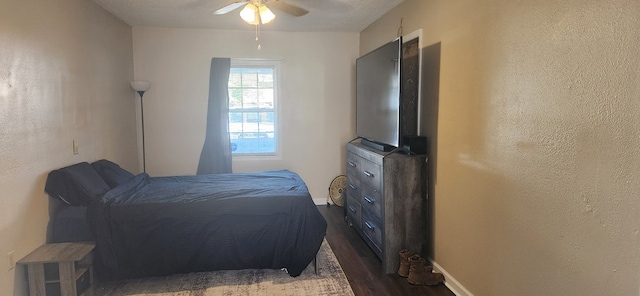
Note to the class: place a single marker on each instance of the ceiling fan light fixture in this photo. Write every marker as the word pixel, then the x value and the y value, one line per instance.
pixel 250 14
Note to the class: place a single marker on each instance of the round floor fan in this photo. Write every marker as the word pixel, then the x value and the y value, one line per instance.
pixel 337 190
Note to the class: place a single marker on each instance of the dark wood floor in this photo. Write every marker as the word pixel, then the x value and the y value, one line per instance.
pixel 361 266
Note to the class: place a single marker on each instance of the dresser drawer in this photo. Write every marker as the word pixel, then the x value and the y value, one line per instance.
pixel 354 212
pixel 353 174
pixel 353 163
pixel 372 228
pixel 370 174
pixel 353 184
pixel 371 200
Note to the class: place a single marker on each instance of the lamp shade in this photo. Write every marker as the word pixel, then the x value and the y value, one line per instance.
pixel 250 14
pixel 140 85
pixel 265 14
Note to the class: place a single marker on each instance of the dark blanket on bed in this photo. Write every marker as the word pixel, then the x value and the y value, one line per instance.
pixel 154 226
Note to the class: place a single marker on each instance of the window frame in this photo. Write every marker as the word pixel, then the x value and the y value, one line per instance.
pixel 275 65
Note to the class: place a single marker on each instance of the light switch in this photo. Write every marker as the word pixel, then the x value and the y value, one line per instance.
pixel 75 147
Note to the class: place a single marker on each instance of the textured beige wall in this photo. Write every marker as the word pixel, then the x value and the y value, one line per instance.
pixel 316 97
pixel 64 72
pixel 538 148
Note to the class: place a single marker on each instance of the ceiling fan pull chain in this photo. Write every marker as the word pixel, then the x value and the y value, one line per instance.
pixel 258 35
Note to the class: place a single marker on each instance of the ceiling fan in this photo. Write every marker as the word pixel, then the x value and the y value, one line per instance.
pixel 256 11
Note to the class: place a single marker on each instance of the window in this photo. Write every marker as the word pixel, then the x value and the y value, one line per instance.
pixel 252 108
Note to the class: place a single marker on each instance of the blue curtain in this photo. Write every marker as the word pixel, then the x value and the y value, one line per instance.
pixel 216 152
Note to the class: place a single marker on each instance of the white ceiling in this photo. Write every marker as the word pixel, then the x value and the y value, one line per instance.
pixel 324 15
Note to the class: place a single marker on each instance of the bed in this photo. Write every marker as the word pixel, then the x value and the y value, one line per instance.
pixel 155 226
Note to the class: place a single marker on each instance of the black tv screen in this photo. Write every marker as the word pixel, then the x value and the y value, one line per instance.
pixel 378 94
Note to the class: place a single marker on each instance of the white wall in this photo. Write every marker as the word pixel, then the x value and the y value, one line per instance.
pixel 538 142
pixel 317 97
pixel 64 72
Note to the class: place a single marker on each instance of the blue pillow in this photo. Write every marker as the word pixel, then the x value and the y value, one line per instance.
pixel 76 185
pixel 112 173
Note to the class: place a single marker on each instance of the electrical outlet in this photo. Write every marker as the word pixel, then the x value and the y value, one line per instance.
pixel 12 260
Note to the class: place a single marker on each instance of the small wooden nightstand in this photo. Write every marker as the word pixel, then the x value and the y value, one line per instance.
pixel 63 269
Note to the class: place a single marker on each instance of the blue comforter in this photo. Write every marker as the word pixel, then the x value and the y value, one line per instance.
pixel 154 226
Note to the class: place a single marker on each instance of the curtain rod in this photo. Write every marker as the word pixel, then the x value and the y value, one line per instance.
pixel 257 59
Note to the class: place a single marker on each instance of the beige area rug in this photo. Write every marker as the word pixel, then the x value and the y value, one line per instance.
pixel 329 281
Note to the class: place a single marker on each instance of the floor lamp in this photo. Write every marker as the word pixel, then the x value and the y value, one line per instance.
pixel 141 87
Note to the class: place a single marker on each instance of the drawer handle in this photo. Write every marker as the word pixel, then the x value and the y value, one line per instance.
pixel 368 199
pixel 368 174
pixel 354 187
pixel 369 225
pixel 352 209
pixel 352 164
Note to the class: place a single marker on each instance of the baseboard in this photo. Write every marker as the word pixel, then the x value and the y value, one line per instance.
pixel 449 281
pixel 320 201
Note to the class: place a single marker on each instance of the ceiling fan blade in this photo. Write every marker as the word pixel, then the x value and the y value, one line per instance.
pixel 230 7
pixel 288 8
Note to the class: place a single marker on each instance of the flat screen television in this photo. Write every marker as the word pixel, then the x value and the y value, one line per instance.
pixel 378 96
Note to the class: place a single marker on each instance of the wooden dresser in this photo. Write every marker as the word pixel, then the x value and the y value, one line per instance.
pixel 386 201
